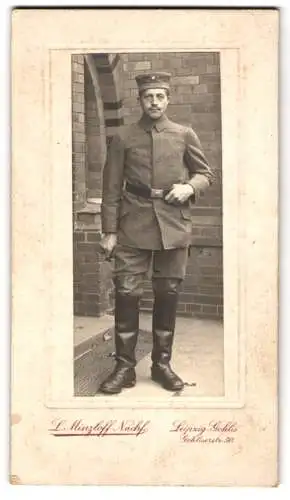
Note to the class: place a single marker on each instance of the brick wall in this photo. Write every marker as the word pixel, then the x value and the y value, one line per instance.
pixel 109 99
pixel 91 274
pixel 78 133
pixel 93 287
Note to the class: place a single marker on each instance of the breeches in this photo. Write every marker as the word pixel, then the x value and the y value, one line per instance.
pixel 132 265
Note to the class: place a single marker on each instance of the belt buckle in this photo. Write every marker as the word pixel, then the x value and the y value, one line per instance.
pixel 156 193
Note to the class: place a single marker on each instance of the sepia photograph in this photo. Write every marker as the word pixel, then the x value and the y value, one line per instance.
pixel 147 224
pixel 145 195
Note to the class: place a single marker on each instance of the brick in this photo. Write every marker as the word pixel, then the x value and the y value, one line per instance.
pixel 78 107
pixel 200 89
pixel 77 67
pixel 199 288
pixel 193 307
pixel 209 309
pixel 79 195
pixel 125 95
pixel 92 310
pixel 80 78
pixel 185 80
pixel 212 280
pixel 92 298
pixel 79 58
pixel 209 78
pixel 196 98
pixel 134 93
pixel 187 298
pixel 213 68
pixel 85 248
pixel 191 298
pixel 86 218
pixel 215 232
pixel 208 57
pixel 159 64
pixel 93 236
pixel 189 99
pixel 74 77
pixel 186 71
pixel 79 308
pixel 79 147
pixel 146 304
pixel 94 183
pixel 136 56
pixel 79 136
pixel 77 88
pixel 79 117
pixel 76 282
pixel 209 299
pixel 88 268
pixel 77 125
pixel 78 297
pixel 79 175
pixel 174 65
pixel 79 236
pixel 194 65
pixel 129 84
pixel 91 284
pixel 77 204
pixel 206 107
pixel 139 66
pixel 124 57
pixel 187 90
pixel 179 100
pixel 91 107
pixel 214 88
pixel 176 109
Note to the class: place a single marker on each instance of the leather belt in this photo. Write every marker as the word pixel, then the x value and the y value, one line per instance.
pixel 145 191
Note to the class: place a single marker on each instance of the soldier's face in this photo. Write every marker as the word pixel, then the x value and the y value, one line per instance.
pixel 154 102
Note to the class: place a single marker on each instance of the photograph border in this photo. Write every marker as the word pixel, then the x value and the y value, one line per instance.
pixel 251 460
pixel 60 394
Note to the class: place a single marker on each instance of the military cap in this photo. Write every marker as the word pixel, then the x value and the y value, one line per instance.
pixel 154 80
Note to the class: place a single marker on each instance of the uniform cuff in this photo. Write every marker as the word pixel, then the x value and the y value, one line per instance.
pixel 109 219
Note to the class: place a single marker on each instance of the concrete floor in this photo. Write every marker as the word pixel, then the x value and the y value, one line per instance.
pixel 197 355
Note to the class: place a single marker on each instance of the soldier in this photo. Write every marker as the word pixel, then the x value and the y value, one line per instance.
pixel 154 171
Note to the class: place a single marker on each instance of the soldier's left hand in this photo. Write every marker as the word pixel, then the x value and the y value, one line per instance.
pixel 179 193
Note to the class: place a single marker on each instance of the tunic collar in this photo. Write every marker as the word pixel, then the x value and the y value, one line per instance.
pixel 147 124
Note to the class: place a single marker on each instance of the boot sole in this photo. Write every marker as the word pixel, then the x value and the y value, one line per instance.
pixel 125 386
pixel 167 388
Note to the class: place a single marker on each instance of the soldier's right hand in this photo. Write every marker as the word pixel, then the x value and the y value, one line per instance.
pixel 108 243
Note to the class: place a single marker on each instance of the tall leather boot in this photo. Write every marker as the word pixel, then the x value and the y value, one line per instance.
pixel 164 318
pixel 126 334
